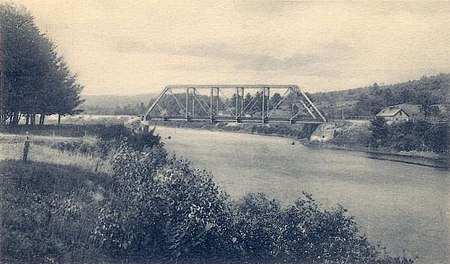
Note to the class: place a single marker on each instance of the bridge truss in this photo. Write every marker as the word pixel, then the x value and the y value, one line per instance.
pixel 234 103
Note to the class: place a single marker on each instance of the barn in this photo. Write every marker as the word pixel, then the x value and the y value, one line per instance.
pixel 393 114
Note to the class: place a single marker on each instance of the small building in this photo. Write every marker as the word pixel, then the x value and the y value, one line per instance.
pixel 323 132
pixel 414 111
pixel 393 114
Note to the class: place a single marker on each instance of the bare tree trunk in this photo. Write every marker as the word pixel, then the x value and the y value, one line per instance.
pixel 33 119
pixel 59 119
pixel 27 120
pixel 15 119
pixel 41 119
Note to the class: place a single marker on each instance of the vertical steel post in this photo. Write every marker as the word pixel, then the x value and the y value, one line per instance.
pixel 211 107
pixel 193 102
pixel 263 116
pixel 268 101
pixel 242 101
pixel 237 105
pixel 187 104
pixel 218 99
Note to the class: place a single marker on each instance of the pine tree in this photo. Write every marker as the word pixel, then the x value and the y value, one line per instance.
pixel 35 79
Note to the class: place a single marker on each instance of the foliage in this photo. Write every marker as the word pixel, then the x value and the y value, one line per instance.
pixel 155 208
pixel 428 92
pixel 36 79
pixel 257 221
pixel 350 135
pixel 93 147
pixel 410 136
pixel 110 137
pixel 379 130
pixel 165 209
pixel 47 212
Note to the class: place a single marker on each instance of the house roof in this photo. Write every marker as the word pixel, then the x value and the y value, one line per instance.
pixel 410 109
pixel 390 111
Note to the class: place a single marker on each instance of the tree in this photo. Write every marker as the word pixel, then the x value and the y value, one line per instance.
pixel 275 99
pixel 36 79
pixel 380 132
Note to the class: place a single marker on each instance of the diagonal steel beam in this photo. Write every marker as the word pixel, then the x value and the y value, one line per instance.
pixel 155 103
pixel 307 108
pixel 283 97
pixel 311 103
pixel 177 101
pixel 199 101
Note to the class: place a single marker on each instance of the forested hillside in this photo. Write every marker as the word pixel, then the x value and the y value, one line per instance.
pixel 428 92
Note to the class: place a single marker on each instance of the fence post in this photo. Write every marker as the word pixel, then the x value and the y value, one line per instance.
pixel 26 148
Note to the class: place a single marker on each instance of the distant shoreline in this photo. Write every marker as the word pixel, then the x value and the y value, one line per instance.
pixel 429 159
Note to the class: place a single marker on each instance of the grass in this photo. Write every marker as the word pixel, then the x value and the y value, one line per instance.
pixel 47 209
pixel 47 203
pixel 42 150
pixel 50 205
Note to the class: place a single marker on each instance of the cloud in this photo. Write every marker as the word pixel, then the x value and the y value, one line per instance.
pixel 240 60
pixel 134 47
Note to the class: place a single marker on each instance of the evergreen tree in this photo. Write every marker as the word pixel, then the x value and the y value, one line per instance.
pixel 35 79
pixel 380 132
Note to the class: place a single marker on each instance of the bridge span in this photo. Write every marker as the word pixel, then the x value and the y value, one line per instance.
pixel 239 103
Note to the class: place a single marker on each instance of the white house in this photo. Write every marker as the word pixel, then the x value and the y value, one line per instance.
pixel 393 114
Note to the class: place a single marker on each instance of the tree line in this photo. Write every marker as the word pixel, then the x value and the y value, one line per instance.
pixel 409 136
pixel 427 92
pixel 35 79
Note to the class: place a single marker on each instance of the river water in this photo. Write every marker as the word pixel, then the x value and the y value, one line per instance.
pixel 403 206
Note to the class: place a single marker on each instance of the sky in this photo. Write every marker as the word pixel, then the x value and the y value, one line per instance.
pixel 135 47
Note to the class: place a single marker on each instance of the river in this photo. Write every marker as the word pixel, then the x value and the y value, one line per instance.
pixel 403 206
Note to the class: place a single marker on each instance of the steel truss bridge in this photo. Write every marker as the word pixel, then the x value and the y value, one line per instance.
pixel 234 103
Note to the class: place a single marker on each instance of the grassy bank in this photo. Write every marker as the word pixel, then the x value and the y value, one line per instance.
pixel 419 140
pixel 70 203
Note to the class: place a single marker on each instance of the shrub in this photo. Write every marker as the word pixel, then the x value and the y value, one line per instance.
pixel 47 212
pixel 108 138
pixel 257 221
pixel 410 136
pixel 314 235
pixel 93 147
pixel 165 209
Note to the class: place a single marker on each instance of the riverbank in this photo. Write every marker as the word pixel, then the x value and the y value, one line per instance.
pixel 430 159
pixel 70 209
pixel 396 203
pixel 423 158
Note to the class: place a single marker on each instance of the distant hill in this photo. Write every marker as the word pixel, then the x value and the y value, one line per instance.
pixel 431 93
pixel 116 104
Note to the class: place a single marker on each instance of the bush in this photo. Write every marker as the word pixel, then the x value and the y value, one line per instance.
pixel 257 221
pixel 108 138
pixel 410 136
pixel 315 235
pixel 47 212
pixel 158 208
pixel 92 146
pixel 165 209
